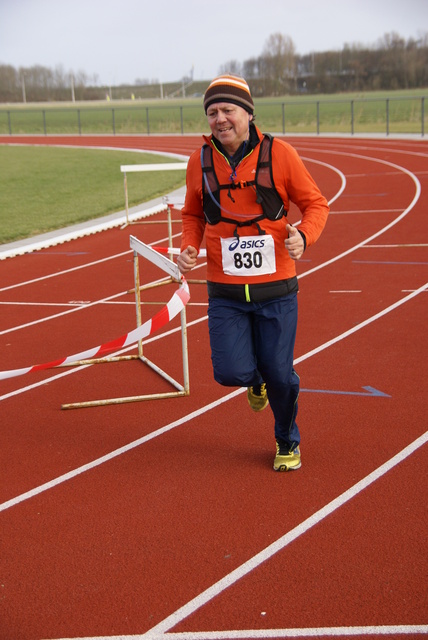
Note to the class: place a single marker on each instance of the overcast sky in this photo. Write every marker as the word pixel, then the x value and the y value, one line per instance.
pixel 122 40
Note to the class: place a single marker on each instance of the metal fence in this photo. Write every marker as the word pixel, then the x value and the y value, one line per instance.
pixel 386 116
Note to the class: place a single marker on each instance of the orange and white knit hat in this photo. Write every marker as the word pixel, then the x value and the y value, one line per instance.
pixel 229 88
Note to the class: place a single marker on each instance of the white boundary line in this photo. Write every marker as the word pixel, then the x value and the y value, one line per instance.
pixel 54 377
pixel 335 170
pixel 281 543
pixel 160 631
pixel 307 524
pixel 77 368
pixel 78 268
pixel 114 454
pixel 79 233
pixel 54 274
pixel 361 325
pixel 324 264
pixel 132 445
pixel 265 554
pixel 74 309
pixel 111 221
pixel 387 227
pixel 305 632
pixel 79 307
pixel 299 633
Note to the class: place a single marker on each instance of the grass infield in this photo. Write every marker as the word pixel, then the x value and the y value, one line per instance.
pixel 47 188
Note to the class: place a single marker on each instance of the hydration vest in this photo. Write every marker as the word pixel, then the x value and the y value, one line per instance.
pixel 265 192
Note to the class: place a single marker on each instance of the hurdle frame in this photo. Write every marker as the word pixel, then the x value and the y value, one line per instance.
pixel 140 249
pixel 132 168
pixel 174 276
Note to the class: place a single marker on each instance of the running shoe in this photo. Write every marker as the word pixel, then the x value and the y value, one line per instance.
pixel 257 397
pixel 286 459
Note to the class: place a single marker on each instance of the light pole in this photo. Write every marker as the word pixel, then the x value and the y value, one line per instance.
pixel 24 95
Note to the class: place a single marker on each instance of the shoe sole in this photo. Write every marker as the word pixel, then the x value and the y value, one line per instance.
pixel 284 467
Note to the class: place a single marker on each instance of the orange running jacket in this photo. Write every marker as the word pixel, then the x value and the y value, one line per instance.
pixel 293 183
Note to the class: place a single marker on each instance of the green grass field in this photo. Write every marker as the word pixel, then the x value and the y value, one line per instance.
pixel 376 112
pixel 43 189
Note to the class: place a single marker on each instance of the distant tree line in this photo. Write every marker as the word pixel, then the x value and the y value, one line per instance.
pixel 393 63
pixel 42 84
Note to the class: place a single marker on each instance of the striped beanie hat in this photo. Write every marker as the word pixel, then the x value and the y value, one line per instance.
pixel 229 88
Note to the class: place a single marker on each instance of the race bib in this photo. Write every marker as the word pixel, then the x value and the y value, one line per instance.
pixel 248 256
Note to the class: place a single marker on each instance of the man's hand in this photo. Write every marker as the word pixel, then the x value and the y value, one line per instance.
pixel 294 243
pixel 187 259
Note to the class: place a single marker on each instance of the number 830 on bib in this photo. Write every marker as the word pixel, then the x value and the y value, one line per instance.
pixel 248 256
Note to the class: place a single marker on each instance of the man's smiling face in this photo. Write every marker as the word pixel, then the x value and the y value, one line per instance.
pixel 229 124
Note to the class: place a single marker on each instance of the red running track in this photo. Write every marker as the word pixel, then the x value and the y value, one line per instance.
pixel 164 518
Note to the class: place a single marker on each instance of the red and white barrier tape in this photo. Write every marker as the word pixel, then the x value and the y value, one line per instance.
pixel 176 252
pixel 167 313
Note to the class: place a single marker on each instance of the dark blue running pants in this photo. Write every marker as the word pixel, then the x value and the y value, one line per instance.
pixel 253 342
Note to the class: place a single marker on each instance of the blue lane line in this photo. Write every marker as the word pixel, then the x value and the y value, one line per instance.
pixel 369 391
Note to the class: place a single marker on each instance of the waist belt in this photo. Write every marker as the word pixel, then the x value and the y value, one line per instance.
pixel 253 292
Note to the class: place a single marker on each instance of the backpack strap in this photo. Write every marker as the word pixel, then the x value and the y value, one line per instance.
pixel 267 195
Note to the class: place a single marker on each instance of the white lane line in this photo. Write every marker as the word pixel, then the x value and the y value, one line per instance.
pixel 9 303
pixel 416 197
pixel 84 305
pixel 254 562
pixel 328 262
pixel 250 634
pixel 387 227
pixel 301 633
pixel 159 632
pixel 62 313
pixel 78 368
pixel 62 236
pixel 317 631
pixel 361 325
pixel 335 170
pixel 79 267
pixel 132 445
pixel 65 271
pixel 117 452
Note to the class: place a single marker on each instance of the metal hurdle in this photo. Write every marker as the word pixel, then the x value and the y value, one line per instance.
pixel 167 265
pixel 130 168
pixel 140 249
